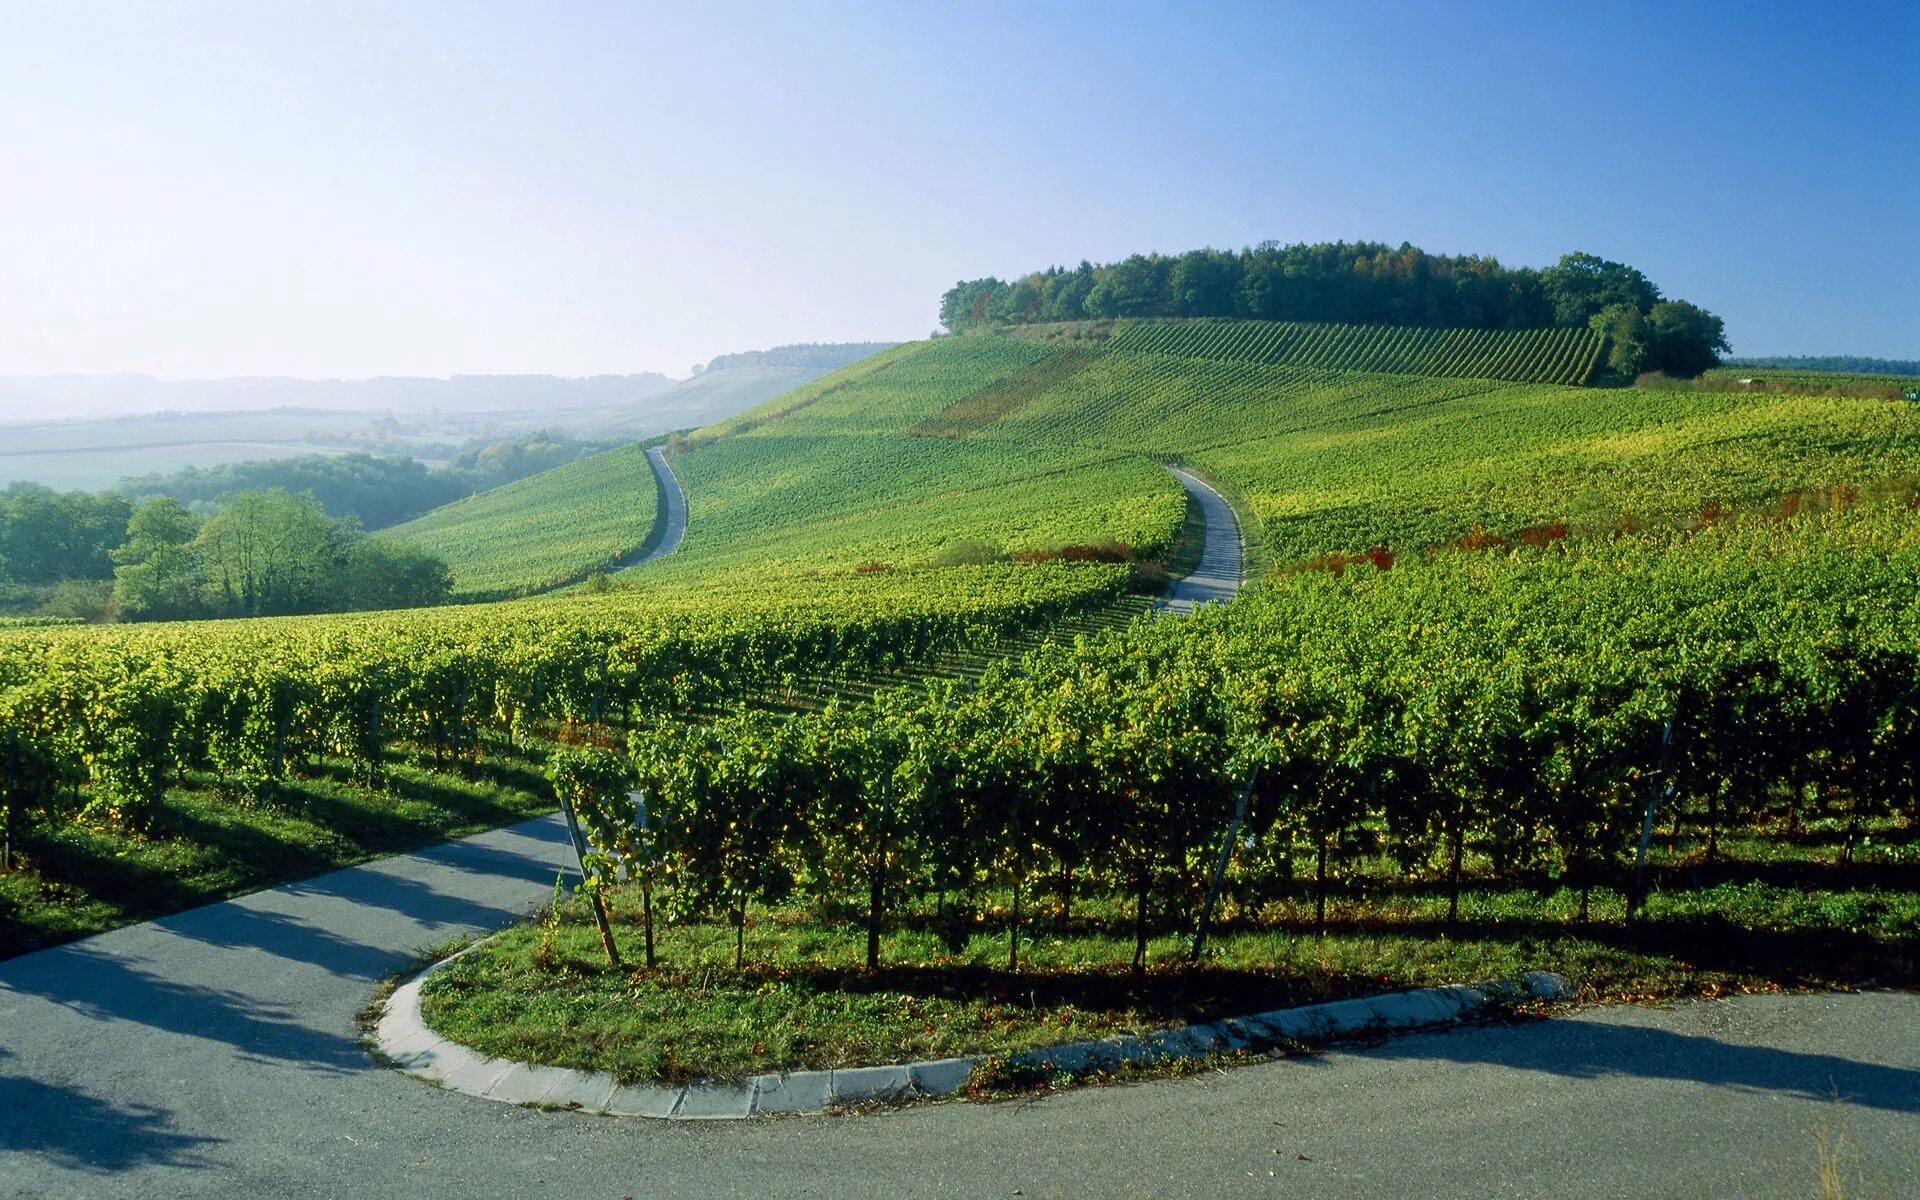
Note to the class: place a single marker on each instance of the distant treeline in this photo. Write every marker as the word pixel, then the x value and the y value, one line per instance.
pixel 264 552
pixel 376 491
pixel 1850 364
pixel 828 355
pixel 1365 283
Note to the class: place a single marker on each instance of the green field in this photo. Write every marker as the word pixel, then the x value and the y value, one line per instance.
pixel 97 470
pixel 93 454
pixel 1790 377
pixel 545 530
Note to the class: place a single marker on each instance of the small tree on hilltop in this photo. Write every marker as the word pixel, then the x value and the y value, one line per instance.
pixel 1686 338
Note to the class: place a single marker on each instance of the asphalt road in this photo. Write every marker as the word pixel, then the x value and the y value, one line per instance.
pixel 673 512
pixel 1218 575
pixel 216 1053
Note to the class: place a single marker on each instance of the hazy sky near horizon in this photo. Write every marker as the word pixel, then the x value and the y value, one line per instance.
pixel 215 189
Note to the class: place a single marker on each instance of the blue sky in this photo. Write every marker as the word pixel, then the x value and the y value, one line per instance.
pixel 419 188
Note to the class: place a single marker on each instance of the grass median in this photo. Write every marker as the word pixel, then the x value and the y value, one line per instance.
pixel 543 992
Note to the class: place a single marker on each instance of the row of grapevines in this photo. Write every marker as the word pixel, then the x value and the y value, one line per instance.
pixel 1565 356
pixel 1522 712
pixel 120 710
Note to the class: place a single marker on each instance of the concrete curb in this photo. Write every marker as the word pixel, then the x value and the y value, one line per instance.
pixel 415 1049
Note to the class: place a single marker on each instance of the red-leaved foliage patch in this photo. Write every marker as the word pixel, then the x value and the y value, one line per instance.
pixel 1544 535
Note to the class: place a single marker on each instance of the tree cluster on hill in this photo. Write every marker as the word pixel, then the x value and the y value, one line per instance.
pixel 828 355
pixel 378 491
pixel 1368 283
pixel 263 552
pixel 1847 364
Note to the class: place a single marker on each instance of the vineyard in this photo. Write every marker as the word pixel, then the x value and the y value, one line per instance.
pixel 1762 671
pixel 921 502
pixel 1564 356
pixel 118 729
pixel 544 530
pixel 1560 756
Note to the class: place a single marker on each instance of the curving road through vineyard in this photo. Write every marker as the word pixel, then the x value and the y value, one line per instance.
pixel 1221 569
pixel 673 510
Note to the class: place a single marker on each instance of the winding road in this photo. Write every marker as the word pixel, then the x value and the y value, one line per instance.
pixel 1219 573
pixel 673 512
pixel 217 1053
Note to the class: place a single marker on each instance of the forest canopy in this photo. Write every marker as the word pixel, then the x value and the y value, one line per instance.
pixel 1366 283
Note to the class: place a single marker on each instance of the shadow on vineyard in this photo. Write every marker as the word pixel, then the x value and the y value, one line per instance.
pixel 801 997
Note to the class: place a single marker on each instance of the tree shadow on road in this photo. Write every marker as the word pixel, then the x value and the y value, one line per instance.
pixel 1597 1050
pixel 79 1132
pixel 239 972
pixel 113 989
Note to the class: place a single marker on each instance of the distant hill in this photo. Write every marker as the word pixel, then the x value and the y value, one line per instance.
pixel 90 431
pixel 830 356
pixel 729 384
pixel 1848 364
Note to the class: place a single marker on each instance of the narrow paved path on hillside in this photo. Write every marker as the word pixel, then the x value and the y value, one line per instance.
pixel 1219 573
pixel 673 513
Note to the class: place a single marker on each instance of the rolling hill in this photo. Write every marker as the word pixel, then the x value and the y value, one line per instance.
pixel 1321 460
pixel 1053 438
pixel 728 384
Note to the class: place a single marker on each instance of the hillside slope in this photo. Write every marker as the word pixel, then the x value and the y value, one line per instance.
pixel 1323 460
pixel 981 444
pixel 544 530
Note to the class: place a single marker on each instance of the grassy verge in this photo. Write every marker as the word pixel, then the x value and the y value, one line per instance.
pixel 78 879
pixel 543 991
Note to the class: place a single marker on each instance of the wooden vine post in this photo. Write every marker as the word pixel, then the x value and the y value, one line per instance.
pixel 593 893
pixel 1220 863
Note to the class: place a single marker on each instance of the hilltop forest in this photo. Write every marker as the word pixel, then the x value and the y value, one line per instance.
pixel 1366 283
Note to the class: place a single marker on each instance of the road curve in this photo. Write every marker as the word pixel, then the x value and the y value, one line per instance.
pixel 673 511
pixel 1221 569
pixel 215 1053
